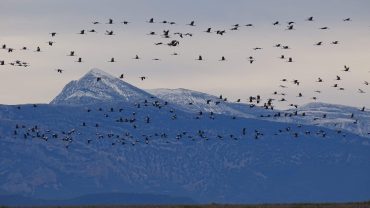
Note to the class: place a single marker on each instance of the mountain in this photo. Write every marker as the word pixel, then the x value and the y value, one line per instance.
pixel 71 150
pixel 194 101
pixel 88 90
pixel 336 116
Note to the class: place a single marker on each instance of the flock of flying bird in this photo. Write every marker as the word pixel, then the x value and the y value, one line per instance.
pixel 167 35
pixel 290 25
pixel 174 41
pixel 135 129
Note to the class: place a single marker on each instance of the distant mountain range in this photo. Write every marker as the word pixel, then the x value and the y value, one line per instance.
pixel 102 135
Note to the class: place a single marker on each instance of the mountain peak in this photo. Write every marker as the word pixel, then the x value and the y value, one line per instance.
pixel 99 73
pixel 90 90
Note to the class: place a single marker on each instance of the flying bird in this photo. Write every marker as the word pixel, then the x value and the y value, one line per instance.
pixel 151 20
pixel 72 53
pixel 361 91
pixel 346 68
pixel 107 32
pixel 59 70
pixel 347 19
pixel 192 23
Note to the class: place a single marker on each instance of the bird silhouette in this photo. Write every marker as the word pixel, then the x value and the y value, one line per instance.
pixel 50 43
pixel 346 68
pixel 151 20
pixel 220 32
pixel 107 32
pixel 208 30
pixel 59 70
pixel 347 19
pixel 72 53
pixel 192 23
pixel 290 27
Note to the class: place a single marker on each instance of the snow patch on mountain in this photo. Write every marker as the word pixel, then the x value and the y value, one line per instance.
pixel 335 116
pixel 195 101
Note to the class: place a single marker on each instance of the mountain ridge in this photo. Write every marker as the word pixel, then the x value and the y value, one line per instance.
pixel 70 149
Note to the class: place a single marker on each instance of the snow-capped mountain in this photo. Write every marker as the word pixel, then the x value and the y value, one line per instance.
pixel 194 101
pixel 97 87
pixel 71 148
pixel 337 117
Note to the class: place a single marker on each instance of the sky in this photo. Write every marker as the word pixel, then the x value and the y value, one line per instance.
pixel 29 22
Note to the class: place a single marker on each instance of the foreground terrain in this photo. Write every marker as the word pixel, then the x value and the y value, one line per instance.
pixel 321 205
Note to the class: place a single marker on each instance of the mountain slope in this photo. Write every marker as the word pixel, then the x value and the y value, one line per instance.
pixel 209 160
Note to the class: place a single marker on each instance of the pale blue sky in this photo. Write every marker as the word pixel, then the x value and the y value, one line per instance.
pixel 28 22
